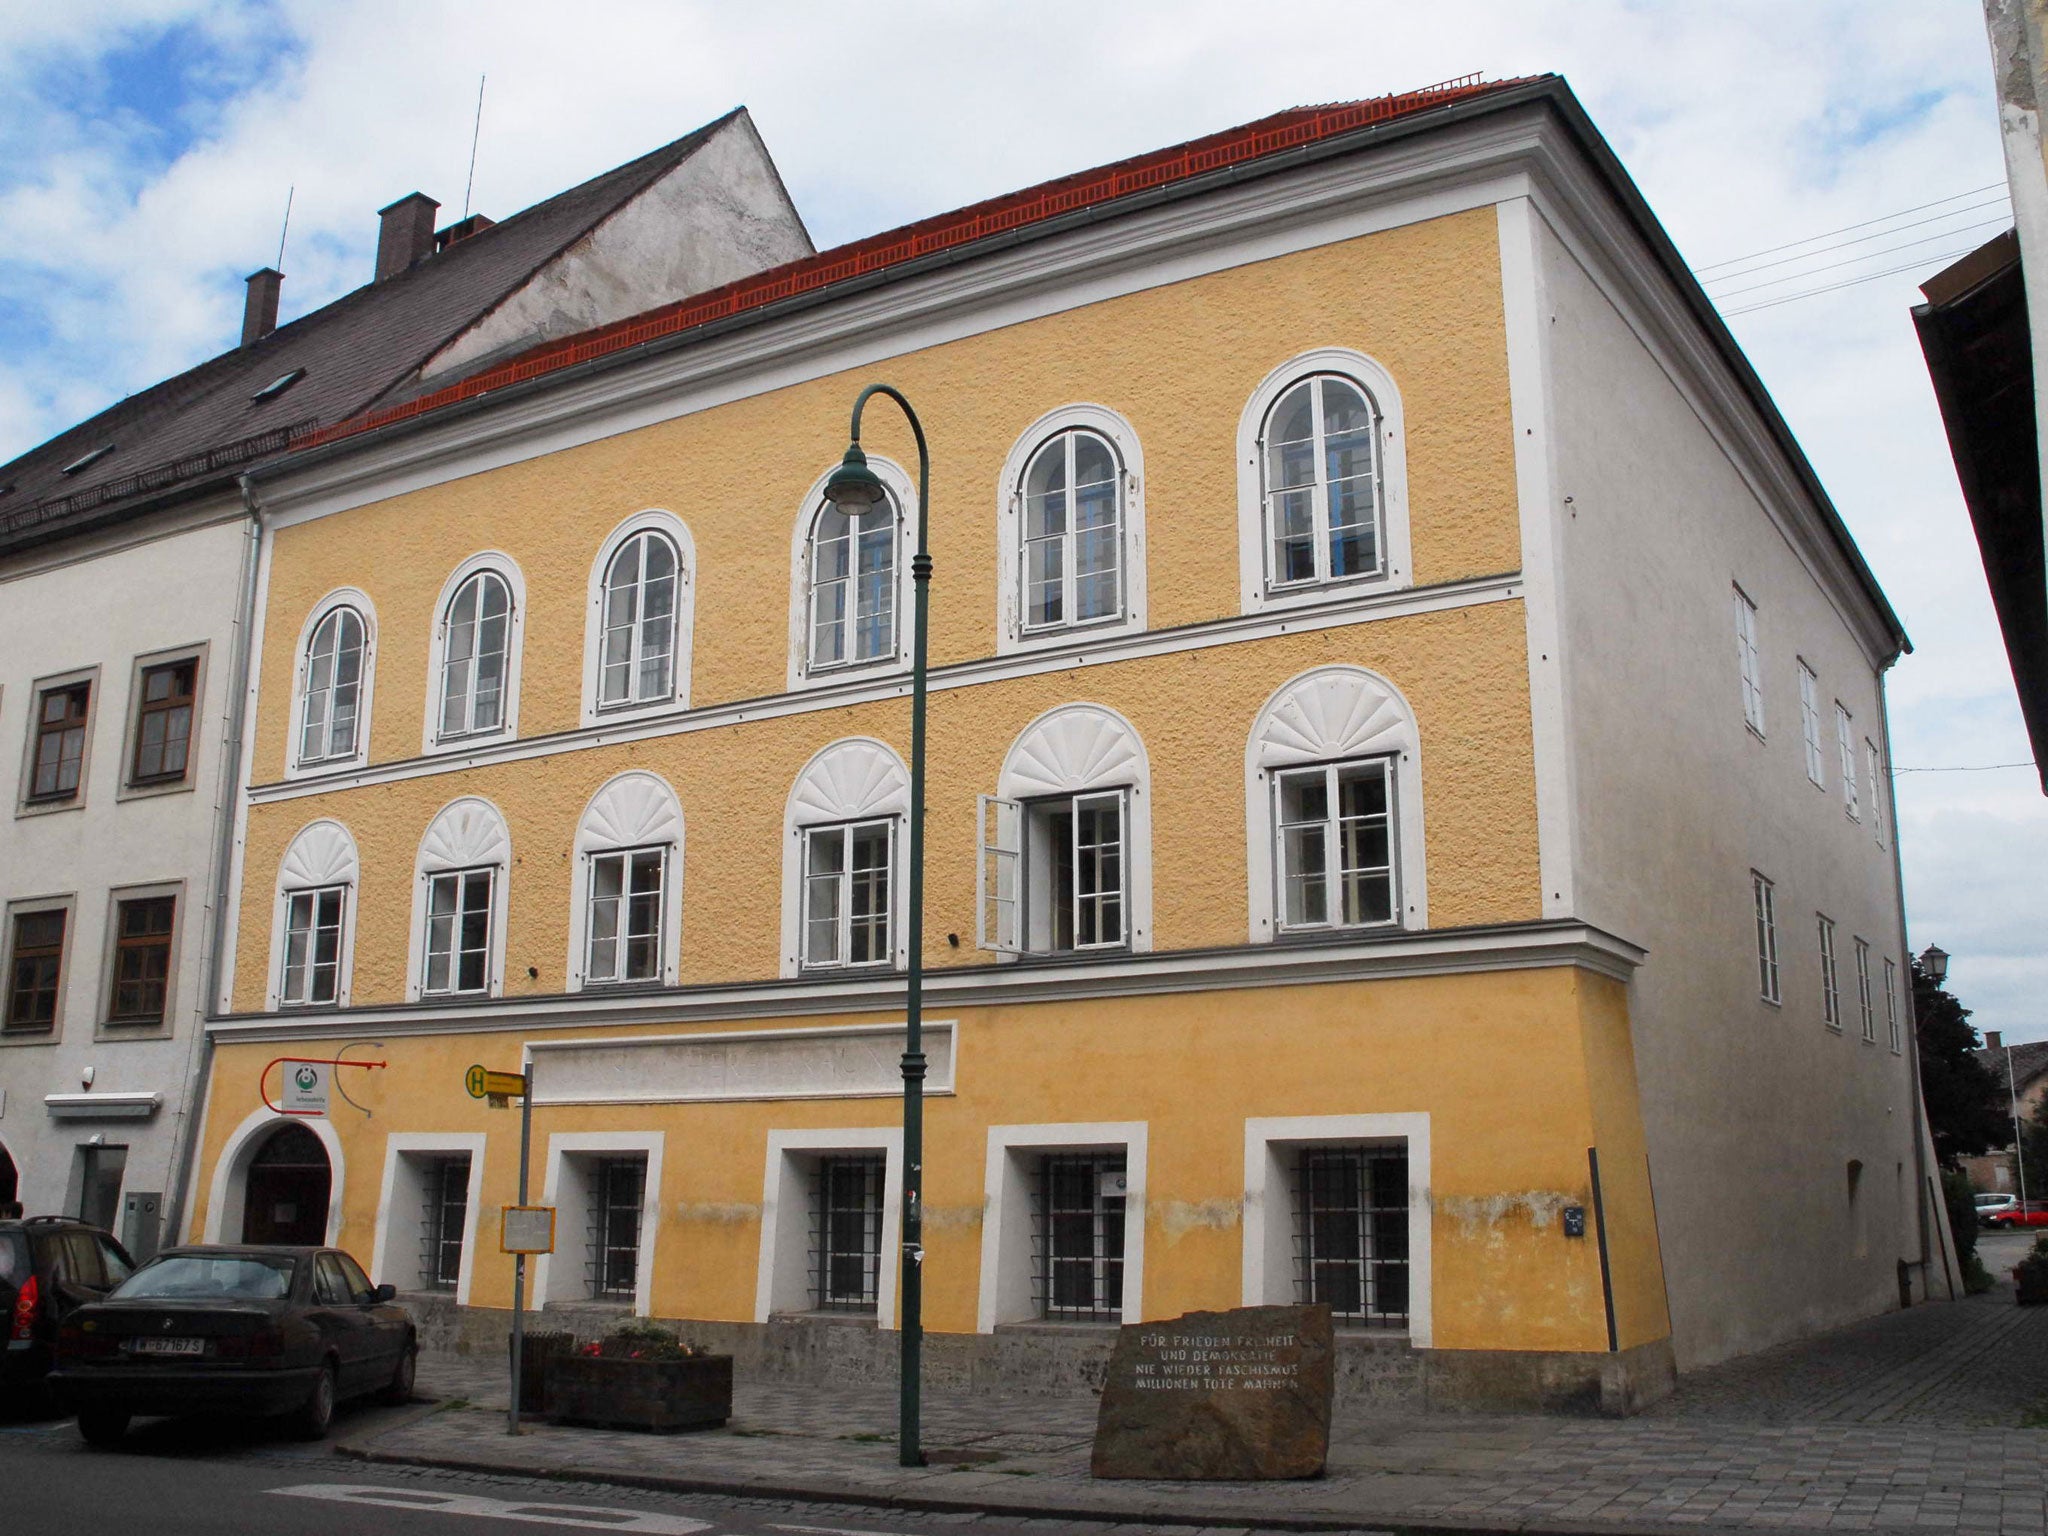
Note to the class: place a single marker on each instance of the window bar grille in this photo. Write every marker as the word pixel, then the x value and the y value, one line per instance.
pixel 1351 1232
pixel 1077 1237
pixel 846 1233
pixel 618 1185
pixel 442 1222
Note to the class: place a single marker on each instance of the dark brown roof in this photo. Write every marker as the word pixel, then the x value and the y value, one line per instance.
pixel 2029 1061
pixel 189 432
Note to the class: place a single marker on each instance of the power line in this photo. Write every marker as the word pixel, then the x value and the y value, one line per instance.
pixel 1969 768
pixel 1851 282
pixel 1715 266
pixel 1729 277
pixel 1793 277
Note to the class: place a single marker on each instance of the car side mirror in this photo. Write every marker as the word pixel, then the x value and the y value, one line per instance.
pixel 386 1293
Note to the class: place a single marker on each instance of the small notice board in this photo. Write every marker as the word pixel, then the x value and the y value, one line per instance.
pixel 528 1229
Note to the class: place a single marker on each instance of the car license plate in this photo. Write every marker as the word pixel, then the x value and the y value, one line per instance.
pixel 168 1346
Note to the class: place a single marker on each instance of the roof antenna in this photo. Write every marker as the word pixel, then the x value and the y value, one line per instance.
pixel 287 225
pixel 473 137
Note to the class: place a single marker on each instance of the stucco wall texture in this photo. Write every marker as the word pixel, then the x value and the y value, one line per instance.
pixel 1179 361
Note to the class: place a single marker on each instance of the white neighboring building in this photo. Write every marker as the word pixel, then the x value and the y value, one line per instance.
pixel 127 571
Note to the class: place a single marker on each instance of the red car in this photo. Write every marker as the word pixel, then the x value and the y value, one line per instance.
pixel 2033 1213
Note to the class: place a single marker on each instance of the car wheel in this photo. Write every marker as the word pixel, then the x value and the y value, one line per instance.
pixel 102 1427
pixel 400 1389
pixel 311 1421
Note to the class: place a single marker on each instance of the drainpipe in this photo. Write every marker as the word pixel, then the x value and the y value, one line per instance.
pixel 227 797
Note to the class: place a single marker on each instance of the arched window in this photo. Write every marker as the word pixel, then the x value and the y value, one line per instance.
pixel 333 691
pixel 1073 533
pixel 627 901
pixel 844 880
pixel 639 644
pixel 459 902
pixel 852 572
pixel 1333 808
pixel 1322 478
pixel 476 647
pixel 313 932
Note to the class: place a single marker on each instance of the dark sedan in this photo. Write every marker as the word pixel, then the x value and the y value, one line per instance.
pixel 264 1331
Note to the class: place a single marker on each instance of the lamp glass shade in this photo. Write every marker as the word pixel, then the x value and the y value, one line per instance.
pixel 1934 961
pixel 854 487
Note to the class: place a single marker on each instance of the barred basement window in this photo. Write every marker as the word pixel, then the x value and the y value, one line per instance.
pixel 846 1233
pixel 618 1189
pixel 445 1212
pixel 1078 1236
pixel 1351 1232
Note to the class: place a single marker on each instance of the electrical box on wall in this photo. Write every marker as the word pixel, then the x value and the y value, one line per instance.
pixel 142 1224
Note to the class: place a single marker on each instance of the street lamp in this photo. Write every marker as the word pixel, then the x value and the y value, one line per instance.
pixel 853 488
pixel 1934 961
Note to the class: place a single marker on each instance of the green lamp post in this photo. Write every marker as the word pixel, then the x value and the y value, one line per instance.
pixel 853 488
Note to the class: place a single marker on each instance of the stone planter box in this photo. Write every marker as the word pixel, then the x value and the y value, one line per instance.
pixel 655 1396
pixel 2031 1283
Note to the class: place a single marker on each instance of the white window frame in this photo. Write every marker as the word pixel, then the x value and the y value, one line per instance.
pixel 502 565
pixel 1809 725
pixel 1029 875
pixel 321 854
pixel 1333 714
pixel 314 896
pixel 631 810
pixel 394 1260
pixel 1891 1007
pixel 652 520
pixel 1845 738
pixel 570 1152
pixel 1388 766
pixel 1870 765
pixel 1012 636
pixel 801 673
pixel 627 858
pixel 843 877
pixel 1764 907
pixel 468 833
pixel 1830 979
pixel 1866 1010
pixel 1378 385
pixel 1749 660
pixel 1268 1254
pixel 462 881
pixel 1072 751
pixel 296 765
pixel 782 1282
pixel 1007 1256
pixel 854 779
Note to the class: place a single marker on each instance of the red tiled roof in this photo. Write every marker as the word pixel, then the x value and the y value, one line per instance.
pixel 1269 135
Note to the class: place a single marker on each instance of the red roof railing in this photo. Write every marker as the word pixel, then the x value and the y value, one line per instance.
pixel 978 221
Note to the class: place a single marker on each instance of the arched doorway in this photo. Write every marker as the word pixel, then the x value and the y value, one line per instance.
pixel 288 1184
pixel 10 1179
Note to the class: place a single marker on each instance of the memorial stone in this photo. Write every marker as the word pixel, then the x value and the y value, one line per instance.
pixel 1236 1395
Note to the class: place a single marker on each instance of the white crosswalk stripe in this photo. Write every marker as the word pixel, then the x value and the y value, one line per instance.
pixel 524 1511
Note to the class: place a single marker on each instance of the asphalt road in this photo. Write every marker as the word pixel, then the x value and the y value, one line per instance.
pixel 219 1478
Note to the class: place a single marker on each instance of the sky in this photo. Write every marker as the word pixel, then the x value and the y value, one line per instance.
pixel 148 148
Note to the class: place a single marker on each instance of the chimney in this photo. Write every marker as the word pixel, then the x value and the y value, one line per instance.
pixel 1994 1040
pixel 259 312
pixel 406 234
pixel 462 229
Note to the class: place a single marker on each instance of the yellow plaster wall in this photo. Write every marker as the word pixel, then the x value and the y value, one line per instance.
pixel 1635 1258
pixel 1496 1059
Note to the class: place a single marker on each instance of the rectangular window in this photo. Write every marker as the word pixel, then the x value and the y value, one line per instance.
pixel 142 959
pixel 312 946
pixel 1845 738
pixel 1809 723
pixel 163 725
pixel 625 916
pixel 443 1219
pixel 846 894
pixel 1351 1232
pixel 60 742
pixel 1876 788
pixel 459 931
pixel 1830 988
pixel 1891 1006
pixel 1080 1236
pixel 846 1232
pixel 1052 873
pixel 618 1191
pixel 1864 1005
pixel 1752 667
pixel 1766 897
pixel 1335 825
pixel 34 970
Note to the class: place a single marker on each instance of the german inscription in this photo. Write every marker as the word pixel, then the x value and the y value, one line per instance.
pixel 1243 1394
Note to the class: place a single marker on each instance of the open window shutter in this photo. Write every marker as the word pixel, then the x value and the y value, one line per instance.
pixel 999 871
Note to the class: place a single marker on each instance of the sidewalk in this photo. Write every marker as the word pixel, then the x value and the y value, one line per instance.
pixel 1916 1419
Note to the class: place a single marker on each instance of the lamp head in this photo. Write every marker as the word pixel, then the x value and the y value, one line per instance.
pixel 854 487
pixel 1934 961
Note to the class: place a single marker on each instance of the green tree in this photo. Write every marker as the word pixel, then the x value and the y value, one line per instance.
pixel 1966 1110
pixel 2033 1150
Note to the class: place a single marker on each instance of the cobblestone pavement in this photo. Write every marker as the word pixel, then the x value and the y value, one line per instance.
pixel 1910 1420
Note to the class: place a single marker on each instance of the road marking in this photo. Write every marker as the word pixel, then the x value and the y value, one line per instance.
pixel 526 1511
pixel 831 1530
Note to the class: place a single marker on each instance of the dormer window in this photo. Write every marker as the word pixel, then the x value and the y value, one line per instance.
pixel 86 461
pixel 277 386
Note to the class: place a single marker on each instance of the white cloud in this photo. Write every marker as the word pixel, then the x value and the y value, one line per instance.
pixel 1745 123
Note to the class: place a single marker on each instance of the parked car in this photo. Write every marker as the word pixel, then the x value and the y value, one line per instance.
pixel 2029 1213
pixel 234 1329
pixel 48 1266
pixel 1989 1206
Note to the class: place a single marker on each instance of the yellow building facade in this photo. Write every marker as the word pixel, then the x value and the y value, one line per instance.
pixel 578 740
